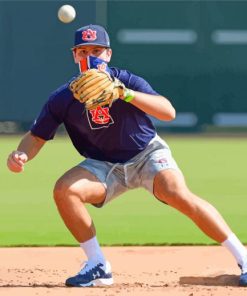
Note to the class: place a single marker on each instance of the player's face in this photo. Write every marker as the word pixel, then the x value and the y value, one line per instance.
pixel 92 50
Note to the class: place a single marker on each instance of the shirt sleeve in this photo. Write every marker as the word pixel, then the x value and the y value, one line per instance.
pixel 52 114
pixel 133 81
pixel 141 85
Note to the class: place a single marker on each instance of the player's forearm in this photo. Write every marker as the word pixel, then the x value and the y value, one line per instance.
pixel 30 145
pixel 157 106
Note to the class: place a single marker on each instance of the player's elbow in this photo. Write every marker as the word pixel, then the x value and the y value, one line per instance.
pixel 166 110
pixel 168 115
pixel 172 114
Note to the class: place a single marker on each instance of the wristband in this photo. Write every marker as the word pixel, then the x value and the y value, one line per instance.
pixel 129 95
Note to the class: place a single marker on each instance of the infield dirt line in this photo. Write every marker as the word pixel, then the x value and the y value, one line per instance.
pixel 139 271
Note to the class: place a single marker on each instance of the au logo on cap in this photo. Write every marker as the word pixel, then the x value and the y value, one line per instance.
pixel 89 35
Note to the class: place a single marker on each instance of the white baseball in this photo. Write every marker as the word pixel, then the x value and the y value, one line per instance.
pixel 66 13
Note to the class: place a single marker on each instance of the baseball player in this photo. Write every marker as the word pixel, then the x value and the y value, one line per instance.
pixel 105 111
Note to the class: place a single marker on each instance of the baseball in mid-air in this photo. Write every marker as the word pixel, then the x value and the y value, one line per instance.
pixel 66 13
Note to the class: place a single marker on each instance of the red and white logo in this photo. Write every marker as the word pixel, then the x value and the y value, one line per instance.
pixel 99 118
pixel 89 35
pixel 100 115
pixel 162 160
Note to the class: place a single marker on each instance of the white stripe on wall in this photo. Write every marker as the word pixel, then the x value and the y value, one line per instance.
pixel 229 36
pixel 182 120
pixel 230 119
pixel 159 36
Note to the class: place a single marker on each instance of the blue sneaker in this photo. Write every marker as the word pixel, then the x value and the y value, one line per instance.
pixel 92 275
pixel 243 280
pixel 243 277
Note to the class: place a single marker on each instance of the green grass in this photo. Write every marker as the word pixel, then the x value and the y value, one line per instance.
pixel 214 169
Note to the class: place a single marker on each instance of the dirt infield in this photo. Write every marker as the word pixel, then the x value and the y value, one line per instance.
pixel 145 271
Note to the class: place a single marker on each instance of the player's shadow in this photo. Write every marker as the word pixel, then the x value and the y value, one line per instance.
pixel 219 280
pixel 32 286
pixel 44 286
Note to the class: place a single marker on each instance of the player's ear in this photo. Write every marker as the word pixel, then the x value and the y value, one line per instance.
pixel 108 54
pixel 74 56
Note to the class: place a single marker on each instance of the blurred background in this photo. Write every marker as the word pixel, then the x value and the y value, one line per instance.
pixel 193 52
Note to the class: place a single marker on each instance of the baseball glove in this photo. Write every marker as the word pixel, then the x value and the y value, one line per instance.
pixel 97 88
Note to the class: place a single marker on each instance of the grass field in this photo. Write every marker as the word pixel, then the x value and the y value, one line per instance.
pixel 215 168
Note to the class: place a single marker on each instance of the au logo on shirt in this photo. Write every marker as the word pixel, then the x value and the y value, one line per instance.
pixel 99 118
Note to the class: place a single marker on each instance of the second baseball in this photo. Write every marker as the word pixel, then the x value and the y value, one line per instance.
pixel 66 13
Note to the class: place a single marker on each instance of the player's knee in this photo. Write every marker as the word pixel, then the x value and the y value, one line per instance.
pixel 59 191
pixel 170 194
pixel 178 197
pixel 62 190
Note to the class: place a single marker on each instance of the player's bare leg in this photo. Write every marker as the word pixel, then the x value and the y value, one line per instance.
pixel 72 191
pixel 170 187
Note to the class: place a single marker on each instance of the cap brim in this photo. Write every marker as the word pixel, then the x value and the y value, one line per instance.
pixel 85 44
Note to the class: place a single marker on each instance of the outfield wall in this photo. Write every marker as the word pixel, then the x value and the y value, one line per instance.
pixel 193 52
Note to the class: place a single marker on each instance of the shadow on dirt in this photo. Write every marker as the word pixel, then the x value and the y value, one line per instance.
pixel 33 286
pixel 220 280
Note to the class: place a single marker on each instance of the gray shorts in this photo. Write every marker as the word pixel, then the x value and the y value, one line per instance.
pixel 139 171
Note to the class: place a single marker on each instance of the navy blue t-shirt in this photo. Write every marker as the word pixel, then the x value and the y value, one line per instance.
pixel 114 134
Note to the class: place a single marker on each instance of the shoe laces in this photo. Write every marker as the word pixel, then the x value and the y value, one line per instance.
pixel 88 266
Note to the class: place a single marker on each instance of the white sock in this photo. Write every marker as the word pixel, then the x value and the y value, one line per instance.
pixel 93 251
pixel 238 250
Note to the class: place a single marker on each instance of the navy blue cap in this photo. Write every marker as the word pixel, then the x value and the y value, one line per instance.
pixel 92 35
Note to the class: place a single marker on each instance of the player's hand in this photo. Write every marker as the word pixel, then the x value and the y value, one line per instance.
pixel 16 161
